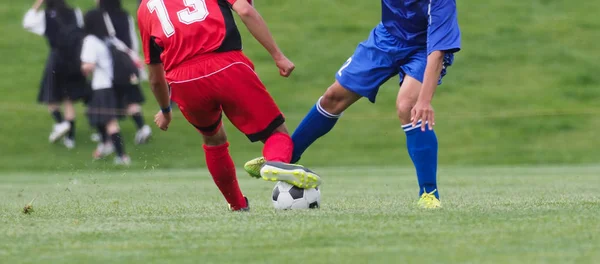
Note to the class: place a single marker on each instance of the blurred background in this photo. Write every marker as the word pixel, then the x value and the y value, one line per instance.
pixel 525 89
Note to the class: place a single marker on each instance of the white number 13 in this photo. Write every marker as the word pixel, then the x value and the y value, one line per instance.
pixel 195 11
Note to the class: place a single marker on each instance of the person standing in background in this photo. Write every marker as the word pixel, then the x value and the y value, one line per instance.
pixel 62 81
pixel 129 97
pixel 102 110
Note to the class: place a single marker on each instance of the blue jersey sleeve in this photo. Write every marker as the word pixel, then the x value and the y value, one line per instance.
pixel 443 33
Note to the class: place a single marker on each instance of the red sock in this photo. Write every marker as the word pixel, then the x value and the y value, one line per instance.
pixel 220 165
pixel 278 147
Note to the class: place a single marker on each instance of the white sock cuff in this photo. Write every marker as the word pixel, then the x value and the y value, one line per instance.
pixel 324 112
pixel 409 127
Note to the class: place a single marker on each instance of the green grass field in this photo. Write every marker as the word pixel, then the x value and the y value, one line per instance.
pixel 523 90
pixel 517 121
pixel 490 215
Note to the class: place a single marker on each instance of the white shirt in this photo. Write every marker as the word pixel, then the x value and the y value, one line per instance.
pixel 35 21
pixel 96 52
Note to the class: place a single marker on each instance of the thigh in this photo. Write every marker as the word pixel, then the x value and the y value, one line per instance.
pixel 370 66
pixel 408 93
pixel 247 103
pixel 198 104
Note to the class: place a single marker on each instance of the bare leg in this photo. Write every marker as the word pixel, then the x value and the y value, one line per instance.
pixel 422 146
pixel 70 117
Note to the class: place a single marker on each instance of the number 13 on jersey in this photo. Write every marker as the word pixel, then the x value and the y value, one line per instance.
pixel 195 11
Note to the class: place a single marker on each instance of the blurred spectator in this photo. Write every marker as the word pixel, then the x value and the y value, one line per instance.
pixel 129 97
pixel 103 108
pixel 62 81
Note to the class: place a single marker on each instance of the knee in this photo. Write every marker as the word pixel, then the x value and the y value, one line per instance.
pixel 281 129
pixel 53 107
pixel 217 139
pixel 403 109
pixel 112 127
pixel 333 102
pixel 133 109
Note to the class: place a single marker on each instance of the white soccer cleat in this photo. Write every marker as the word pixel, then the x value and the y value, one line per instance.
pixel 123 161
pixel 108 149
pixel 69 143
pixel 59 130
pixel 103 150
pixel 95 137
pixel 142 135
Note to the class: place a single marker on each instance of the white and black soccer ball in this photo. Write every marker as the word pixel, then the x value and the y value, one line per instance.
pixel 287 196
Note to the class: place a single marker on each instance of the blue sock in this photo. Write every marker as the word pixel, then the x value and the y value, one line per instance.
pixel 423 150
pixel 315 124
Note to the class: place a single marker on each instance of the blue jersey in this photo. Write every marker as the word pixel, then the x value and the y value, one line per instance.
pixel 427 23
pixel 409 31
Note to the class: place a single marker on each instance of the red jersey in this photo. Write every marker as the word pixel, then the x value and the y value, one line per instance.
pixel 174 31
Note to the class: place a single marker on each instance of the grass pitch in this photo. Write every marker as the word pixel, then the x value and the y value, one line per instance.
pixel 524 90
pixel 490 215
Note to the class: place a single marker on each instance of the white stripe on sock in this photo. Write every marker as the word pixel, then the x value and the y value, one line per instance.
pixel 410 124
pixel 409 127
pixel 412 128
pixel 324 112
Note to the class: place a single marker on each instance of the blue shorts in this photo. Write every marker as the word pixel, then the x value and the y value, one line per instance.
pixel 381 57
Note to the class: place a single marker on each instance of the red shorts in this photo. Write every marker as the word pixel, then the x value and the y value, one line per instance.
pixel 207 86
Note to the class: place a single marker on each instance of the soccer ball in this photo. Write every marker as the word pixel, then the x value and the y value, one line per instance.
pixel 287 196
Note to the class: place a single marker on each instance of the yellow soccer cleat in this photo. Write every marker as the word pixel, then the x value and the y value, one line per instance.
pixel 252 167
pixel 429 201
pixel 293 174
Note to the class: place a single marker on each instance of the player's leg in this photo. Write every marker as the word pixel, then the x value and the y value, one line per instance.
pixel 274 164
pixel 54 110
pixel 51 94
pixel 278 147
pixel 197 102
pixel 102 112
pixel 133 98
pixel 371 65
pixel 55 97
pixel 277 154
pixel 73 89
pixel 253 111
pixel 322 117
pixel 60 127
pixel 221 167
pixel 422 145
pixel 114 132
pixel 69 139
pixel 143 130
pixel 105 146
